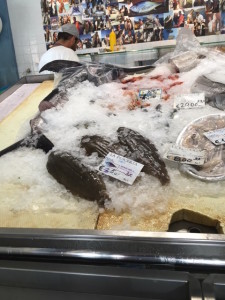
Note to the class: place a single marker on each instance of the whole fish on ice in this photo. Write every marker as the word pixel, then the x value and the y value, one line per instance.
pixel 132 145
pixel 214 91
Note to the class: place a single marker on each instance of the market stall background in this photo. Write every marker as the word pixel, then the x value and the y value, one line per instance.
pixel 133 21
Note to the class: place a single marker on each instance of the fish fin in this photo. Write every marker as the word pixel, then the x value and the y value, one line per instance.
pixel 58 65
pixel 39 142
pixel 51 95
pixel 11 147
pixel 133 70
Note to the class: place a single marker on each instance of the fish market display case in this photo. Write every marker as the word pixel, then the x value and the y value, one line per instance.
pixel 186 261
pixel 96 264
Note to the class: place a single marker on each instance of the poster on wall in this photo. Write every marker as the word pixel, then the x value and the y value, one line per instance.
pixel 134 21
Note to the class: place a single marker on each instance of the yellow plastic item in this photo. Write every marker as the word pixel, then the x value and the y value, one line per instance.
pixel 112 40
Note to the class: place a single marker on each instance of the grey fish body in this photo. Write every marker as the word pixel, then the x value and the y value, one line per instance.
pixel 78 178
pixel 131 145
pixel 102 146
pixel 144 151
pixel 214 91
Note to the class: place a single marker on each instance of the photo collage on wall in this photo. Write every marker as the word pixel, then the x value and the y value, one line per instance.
pixel 133 21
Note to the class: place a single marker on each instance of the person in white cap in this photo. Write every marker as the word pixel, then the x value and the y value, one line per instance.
pixel 63 49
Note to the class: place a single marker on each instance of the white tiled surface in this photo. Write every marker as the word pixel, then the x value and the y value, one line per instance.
pixel 28 37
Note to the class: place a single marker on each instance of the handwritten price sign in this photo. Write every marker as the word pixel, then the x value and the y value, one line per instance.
pixel 186 155
pixel 189 101
pixel 217 137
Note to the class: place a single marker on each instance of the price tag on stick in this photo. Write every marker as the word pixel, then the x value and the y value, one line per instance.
pixel 186 155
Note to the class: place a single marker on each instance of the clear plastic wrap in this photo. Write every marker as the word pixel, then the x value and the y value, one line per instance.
pixel 186 53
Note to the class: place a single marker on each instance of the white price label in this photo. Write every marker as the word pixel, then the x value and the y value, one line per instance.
pixel 217 137
pixel 120 167
pixel 149 94
pixel 188 101
pixel 186 155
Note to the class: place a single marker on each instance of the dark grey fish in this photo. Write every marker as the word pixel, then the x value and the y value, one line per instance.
pixel 144 151
pixel 217 101
pixel 78 178
pixel 214 91
pixel 131 145
pixel 59 66
pixel 102 146
pixel 39 141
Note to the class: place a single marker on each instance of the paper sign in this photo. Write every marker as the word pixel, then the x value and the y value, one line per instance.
pixel 120 167
pixel 186 155
pixel 149 94
pixel 217 137
pixel 187 101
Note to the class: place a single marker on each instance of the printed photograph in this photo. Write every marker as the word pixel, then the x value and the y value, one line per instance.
pixel 195 19
pixel 222 5
pixel 198 3
pixel 64 19
pixel 135 21
pixel 120 34
pixel 186 3
pixel 139 36
pixel 129 37
pixel 140 7
pixel 54 23
pixel 62 6
pixel 87 10
pixel 86 41
pixel 49 7
pixel 76 10
pixel 178 18
pixel 124 9
pixel 96 39
pixel 170 34
pixel 222 30
pixel 168 20
pixel 213 23
pixel 105 37
pixel 48 34
pixel 46 19
pixel 77 21
pixel 88 26
pixel 99 10
pixel 99 23
pixel 129 23
pixel 114 14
